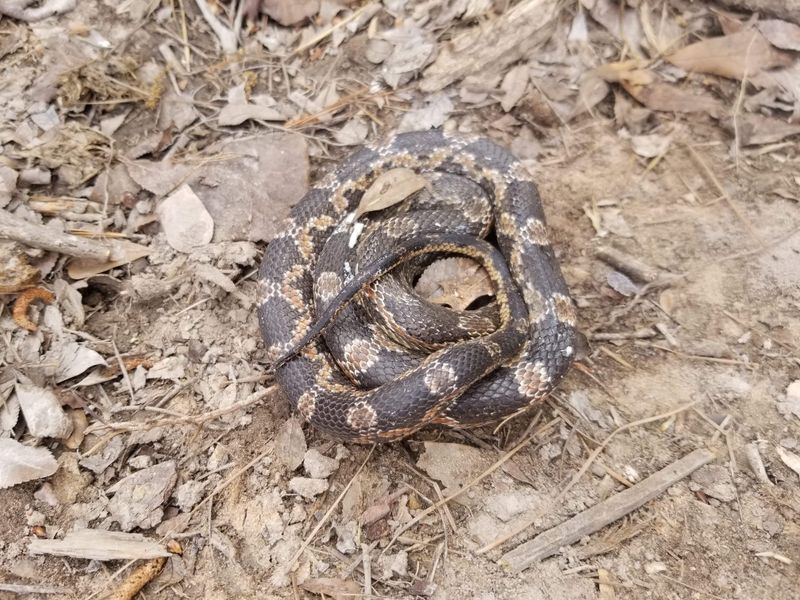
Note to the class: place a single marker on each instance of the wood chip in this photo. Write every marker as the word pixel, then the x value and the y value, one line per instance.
pixel 99 544
pixel 493 45
pixel 139 577
pixel 630 265
pixel 19 230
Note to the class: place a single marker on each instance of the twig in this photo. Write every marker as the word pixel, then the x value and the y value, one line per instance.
pixel 123 369
pixel 227 39
pixel 614 336
pixel 713 359
pixel 630 265
pixel 16 588
pixel 181 419
pixel 187 52
pixel 575 478
pixel 591 520
pixel 19 230
pixel 138 578
pixel 367 565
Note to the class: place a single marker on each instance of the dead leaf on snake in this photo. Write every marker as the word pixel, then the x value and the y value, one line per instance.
pixel 390 188
pixel 455 282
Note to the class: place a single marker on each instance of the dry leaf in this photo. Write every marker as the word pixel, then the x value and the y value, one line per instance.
pixel 455 282
pixel 513 86
pixel 236 114
pixel 70 359
pixel 593 89
pixel 19 463
pixel 734 56
pixel 432 114
pixel 650 146
pixel 353 133
pixel 413 49
pixel 624 26
pixel 159 177
pixel 338 589
pixel 628 71
pixel 666 97
pixel 389 189
pixel 754 129
pixel 83 268
pixel 664 35
pixel 780 34
pixel 43 413
pixel 790 459
pixel 646 87
pixel 731 22
pixel 290 12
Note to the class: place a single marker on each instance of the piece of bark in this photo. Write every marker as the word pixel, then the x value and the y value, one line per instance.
pixel 19 230
pixel 630 265
pixel 595 518
pixel 98 544
pixel 493 46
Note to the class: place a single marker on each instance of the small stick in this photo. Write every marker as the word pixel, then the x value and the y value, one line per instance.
pixel 613 336
pixel 15 588
pixel 591 520
pixel 19 230
pixel 227 39
pixel 187 52
pixel 138 578
pixel 367 565
pixel 630 265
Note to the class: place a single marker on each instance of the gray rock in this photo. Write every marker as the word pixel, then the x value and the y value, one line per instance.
pixel 318 465
pixel 307 487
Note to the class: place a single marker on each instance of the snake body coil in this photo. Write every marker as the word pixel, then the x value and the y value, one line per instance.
pixel 357 352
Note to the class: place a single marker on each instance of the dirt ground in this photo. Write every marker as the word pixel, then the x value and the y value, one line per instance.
pixel 138 399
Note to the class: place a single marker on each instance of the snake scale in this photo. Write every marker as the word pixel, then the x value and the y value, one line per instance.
pixel 365 359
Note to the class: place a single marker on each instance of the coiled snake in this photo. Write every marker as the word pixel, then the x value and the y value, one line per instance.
pixel 362 357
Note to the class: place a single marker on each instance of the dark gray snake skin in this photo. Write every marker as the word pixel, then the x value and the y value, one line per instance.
pixel 364 359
